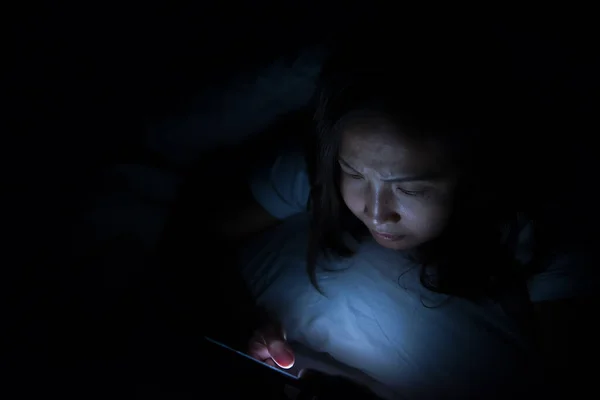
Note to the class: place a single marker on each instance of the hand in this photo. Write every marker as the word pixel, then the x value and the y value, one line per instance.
pixel 326 386
pixel 269 345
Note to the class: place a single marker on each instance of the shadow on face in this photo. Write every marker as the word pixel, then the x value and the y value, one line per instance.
pixel 400 186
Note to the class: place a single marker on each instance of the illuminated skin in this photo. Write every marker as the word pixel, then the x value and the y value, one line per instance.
pixel 269 346
pixel 395 185
pixel 398 186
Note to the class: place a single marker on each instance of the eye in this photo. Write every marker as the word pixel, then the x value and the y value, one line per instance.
pixel 351 175
pixel 413 192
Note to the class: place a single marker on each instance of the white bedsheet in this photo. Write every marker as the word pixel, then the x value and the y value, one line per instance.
pixel 376 317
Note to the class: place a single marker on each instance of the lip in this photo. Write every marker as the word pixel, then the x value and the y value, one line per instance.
pixel 387 236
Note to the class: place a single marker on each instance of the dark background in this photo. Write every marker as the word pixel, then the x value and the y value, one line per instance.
pixel 85 86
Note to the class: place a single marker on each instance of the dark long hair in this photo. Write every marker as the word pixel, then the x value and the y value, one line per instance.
pixel 475 255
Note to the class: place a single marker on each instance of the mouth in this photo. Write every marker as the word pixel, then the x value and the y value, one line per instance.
pixel 387 236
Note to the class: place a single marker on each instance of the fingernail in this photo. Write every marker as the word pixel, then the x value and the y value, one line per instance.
pixel 281 355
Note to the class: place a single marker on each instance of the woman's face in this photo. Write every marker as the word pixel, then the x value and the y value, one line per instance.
pixel 401 188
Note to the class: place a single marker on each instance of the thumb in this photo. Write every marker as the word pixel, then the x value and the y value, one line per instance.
pixel 281 353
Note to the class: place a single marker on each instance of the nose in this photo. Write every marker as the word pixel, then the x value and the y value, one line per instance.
pixel 379 208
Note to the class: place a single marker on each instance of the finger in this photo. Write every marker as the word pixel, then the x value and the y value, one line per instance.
pixel 273 337
pixel 259 351
pixel 270 362
pixel 281 353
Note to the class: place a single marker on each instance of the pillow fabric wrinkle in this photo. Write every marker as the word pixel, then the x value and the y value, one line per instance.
pixel 393 344
pixel 377 316
pixel 297 177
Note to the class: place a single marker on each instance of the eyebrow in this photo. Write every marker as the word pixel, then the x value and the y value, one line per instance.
pixel 422 177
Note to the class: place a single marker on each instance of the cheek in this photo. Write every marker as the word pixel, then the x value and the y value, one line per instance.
pixel 425 220
pixel 352 193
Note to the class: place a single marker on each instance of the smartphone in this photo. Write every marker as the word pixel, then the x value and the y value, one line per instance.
pixel 287 377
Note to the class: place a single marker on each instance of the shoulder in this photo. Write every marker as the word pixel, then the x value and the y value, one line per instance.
pixel 565 274
pixel 561 271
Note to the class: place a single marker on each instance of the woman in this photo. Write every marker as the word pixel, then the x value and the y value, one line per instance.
pixel 422 269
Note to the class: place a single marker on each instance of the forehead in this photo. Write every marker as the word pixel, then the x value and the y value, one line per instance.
pixel 385 147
